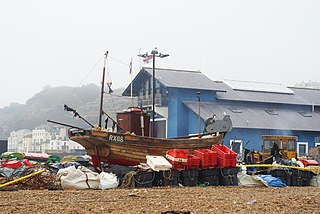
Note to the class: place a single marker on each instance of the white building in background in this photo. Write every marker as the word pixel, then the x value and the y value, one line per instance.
pixel 60 141
pixel 15 141
pixel 74 145
pixel 40 140
pixel 27 143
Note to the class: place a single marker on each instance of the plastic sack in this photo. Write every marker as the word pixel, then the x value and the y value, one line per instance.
pixel 272 181
pixel 250 180
pixel 299 163
pixel 108 181
pixel 315 181
pixel 78 178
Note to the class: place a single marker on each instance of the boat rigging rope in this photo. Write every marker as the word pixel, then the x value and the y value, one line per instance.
pixel 95 65
pixel 121 62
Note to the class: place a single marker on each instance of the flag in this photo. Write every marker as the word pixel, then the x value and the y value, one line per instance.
pixel 147 59
pixel 130 66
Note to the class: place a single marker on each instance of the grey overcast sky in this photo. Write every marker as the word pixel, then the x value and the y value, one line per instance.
pixel 61 42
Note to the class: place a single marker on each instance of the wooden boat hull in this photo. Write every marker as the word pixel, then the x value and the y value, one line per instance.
pixel 128 149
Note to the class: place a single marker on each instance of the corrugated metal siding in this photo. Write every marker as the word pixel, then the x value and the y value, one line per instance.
pixel 257 118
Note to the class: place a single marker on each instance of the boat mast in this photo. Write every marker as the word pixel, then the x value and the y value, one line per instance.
pixel 102 88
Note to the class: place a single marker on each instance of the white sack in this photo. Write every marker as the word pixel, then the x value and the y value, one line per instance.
pixel 315 181
pixel 250 180
pixel 78 178
pixel 108 181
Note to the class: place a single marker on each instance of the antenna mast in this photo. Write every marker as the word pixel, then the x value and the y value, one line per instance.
pixel 102 88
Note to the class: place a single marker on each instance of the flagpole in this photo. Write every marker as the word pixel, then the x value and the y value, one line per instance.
pixel 147 57
pixel 139 60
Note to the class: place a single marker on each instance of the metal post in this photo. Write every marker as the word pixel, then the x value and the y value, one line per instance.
pixel 198 96
pixel 153 90
pixel 154 54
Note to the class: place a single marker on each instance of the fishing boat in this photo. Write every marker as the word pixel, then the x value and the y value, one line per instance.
pixel 130 143
pixel 131 149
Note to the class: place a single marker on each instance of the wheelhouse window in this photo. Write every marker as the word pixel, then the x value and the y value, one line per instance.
pixel 266 145
pixel 284 145
pixel 291 145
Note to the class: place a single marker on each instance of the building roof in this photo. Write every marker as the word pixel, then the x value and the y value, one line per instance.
pixel 258 86
pixel 172 78
pixel 256 117
pixel 299 96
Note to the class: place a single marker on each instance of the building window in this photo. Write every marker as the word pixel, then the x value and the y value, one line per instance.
pixel 161 128
pixel 302 149
pixel 147 90
pixel 236 146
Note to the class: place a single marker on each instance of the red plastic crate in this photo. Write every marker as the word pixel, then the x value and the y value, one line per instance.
pixel 178 165
pixel 226 157
pixel 224 152
pixel 178 153
pixel 208 158
pixel 193 162
pixel 178 158
pixel 223 163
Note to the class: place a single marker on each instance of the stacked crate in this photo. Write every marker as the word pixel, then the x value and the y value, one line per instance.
pixel 189 177
pixel 193 162
pixel 300 177
pixel 167 178
pixel 178 158
pixel 208 158
pixel 144 179
pixel 229 176
pixel 210 177
pixel 226 157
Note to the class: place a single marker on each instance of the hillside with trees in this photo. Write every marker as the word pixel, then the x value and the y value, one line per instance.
pixel 49 104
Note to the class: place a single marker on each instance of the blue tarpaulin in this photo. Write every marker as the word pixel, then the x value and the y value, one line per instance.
pixel 272 181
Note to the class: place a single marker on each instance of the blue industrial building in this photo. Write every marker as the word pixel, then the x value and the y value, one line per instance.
pixel 255 109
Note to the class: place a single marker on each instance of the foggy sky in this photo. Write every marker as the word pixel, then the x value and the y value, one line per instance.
pixel 62 42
